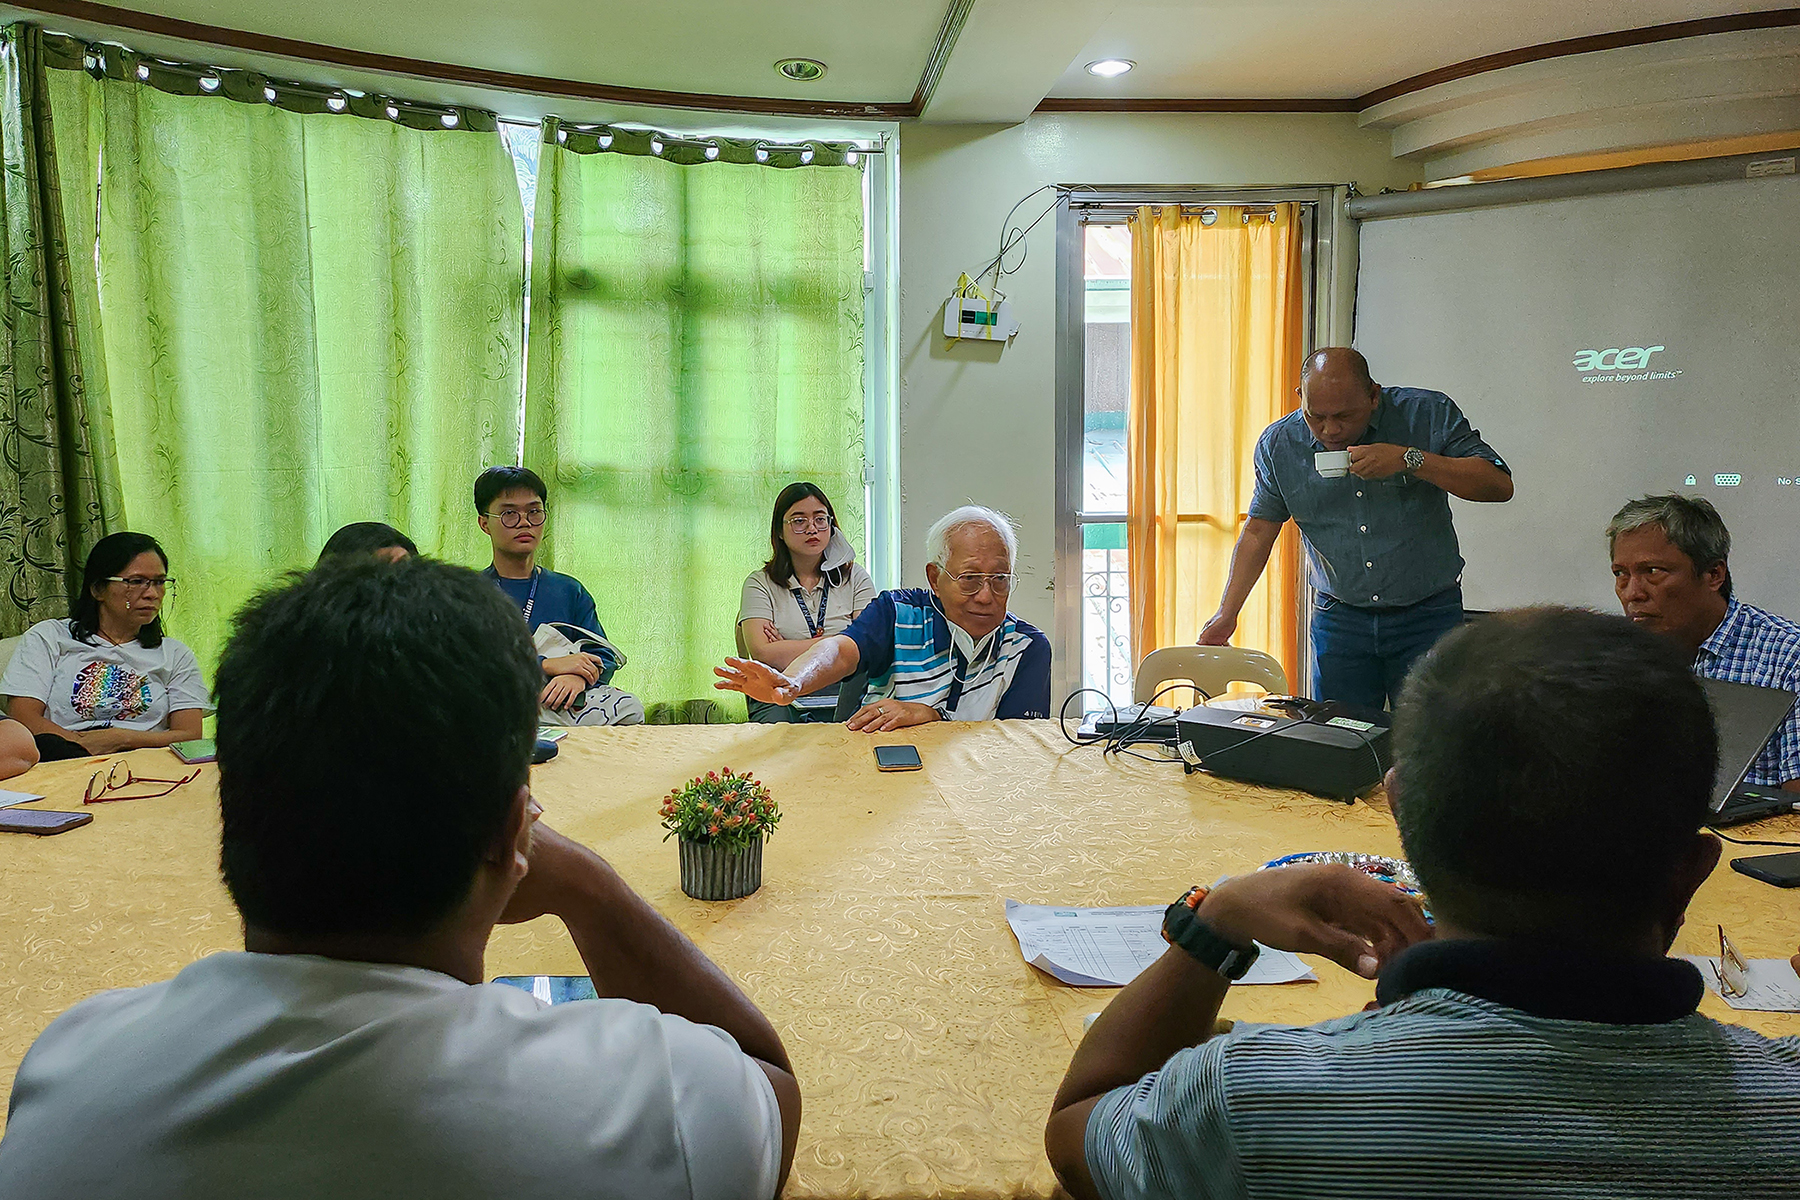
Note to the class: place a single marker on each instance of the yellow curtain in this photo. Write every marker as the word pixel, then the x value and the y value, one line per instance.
pixel 1216 342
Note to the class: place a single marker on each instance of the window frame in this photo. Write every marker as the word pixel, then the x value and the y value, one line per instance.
pixel 1327 259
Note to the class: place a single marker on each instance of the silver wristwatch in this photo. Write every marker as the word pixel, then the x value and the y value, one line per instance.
pixel 1415 458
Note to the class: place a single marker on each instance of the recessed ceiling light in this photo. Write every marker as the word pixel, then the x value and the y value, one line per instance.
pixel 1110 68
pixel 801 70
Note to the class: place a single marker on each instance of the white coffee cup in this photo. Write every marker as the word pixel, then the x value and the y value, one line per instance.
pixel 1332 464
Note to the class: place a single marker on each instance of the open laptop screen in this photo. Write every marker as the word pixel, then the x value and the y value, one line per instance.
pixel 1747 717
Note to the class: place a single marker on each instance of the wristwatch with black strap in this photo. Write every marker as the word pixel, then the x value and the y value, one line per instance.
pixel 1183 927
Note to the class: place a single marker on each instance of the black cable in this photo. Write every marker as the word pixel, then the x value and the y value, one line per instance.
pixel 1726 837
pixel 1062 717
pixel 1120 739
pixel 1012 236
pixel 1123 738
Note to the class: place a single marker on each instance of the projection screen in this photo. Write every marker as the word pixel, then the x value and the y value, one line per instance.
pixel 1607 347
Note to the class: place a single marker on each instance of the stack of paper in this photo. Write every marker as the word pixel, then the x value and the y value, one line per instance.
pixel 8 799
pixel 1109 947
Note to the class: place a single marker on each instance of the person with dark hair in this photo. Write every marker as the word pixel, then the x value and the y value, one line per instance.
pixel 1552 771
pixel 1381 549
pixel 1672 576
pixel 811 588
pixel 369 537
pixel 511 503
pixel 106 679
pixel 352 1049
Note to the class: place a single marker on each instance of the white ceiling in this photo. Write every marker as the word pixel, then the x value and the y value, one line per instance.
pixel 1010 55
pixel 875 49
pixel 1336 48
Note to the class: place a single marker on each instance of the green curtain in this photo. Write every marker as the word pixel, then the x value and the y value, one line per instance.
pixel 696 345
pixel 305 319
pixel 54 490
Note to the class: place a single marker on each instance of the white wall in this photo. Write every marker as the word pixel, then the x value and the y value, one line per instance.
pixel 977 422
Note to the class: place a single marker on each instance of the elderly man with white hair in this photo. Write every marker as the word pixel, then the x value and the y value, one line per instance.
pixel 950 652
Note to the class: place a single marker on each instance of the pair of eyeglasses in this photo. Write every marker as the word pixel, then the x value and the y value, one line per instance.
pixel 119 777
pixel 802 524
pixel 971 583
pixel 139 583
pixel 512 518
pixel 1733 971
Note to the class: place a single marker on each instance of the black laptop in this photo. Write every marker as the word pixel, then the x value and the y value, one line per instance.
pixel 1747 717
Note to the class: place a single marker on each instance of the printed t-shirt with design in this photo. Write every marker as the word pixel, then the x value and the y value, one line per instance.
pixel 558 600
pixel 907 648
pixel 764 599
pixel 96 685
pixel 291 1077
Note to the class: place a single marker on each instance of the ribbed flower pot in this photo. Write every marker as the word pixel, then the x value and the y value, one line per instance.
pixel 710 872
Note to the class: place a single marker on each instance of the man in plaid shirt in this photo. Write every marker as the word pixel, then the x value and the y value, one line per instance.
pixel 1669 569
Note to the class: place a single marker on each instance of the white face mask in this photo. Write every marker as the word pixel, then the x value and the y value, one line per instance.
pixel 970 648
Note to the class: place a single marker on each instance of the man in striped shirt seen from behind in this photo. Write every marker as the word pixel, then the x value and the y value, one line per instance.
pixel 1553 768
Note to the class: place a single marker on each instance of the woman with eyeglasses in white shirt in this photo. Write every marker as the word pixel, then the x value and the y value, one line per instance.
pixel 811 588
pixel 106 679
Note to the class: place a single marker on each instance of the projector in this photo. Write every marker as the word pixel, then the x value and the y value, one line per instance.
pixel 1335 750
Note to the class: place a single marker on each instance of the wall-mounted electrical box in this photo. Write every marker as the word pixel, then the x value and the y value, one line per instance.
pixel 978 318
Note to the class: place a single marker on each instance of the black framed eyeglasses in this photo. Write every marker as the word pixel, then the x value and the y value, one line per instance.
pixel 137 584
pixel 512 518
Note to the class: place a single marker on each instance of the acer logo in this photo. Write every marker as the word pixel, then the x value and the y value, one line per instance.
pixel 1631 358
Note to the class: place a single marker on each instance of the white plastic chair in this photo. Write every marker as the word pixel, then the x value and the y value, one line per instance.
pixel 1212 669
pixel 8 647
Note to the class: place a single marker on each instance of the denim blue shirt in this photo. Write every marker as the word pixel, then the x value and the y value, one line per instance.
pixel 1373 543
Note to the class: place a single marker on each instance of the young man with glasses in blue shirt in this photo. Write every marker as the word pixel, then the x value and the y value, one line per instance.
pixel 948 653
pixel 510 501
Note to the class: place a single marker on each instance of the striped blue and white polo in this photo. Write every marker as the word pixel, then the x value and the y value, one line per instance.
pixel 906 646
pixel 1490 1070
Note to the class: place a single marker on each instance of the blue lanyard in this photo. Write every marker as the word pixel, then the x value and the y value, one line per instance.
pixel 531 599
pixel 813 627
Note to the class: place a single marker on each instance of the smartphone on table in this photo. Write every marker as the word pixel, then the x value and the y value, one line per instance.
pixel 200 750
pixel 41 821
pixel 897 758
pixel 1782 870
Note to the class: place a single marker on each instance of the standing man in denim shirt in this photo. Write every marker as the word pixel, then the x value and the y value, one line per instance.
pixel 1381 551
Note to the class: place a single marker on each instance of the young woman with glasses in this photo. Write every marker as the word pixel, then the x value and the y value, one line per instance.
pixel 106 679
pixel 810 589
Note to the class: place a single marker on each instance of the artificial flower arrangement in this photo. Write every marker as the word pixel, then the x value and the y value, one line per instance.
pixel 721 820
pixel 721 809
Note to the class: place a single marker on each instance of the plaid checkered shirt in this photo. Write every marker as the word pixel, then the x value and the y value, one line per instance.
pixel 1757 647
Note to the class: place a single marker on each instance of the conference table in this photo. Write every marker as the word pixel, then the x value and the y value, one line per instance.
pixel 927 1049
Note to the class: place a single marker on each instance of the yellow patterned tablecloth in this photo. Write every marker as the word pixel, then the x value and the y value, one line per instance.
pixel 928 1051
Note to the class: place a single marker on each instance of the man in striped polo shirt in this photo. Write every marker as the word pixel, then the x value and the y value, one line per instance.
pixel 950 652
pixel 1553 768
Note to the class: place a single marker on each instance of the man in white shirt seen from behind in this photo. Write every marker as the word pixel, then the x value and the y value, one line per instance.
pixel 375 731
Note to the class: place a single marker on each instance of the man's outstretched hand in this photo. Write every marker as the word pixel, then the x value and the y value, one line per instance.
pixel 1357 921
pixel 759 681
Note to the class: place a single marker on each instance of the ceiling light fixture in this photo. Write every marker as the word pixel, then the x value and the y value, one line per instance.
pixel 801 70
pixel 1110 68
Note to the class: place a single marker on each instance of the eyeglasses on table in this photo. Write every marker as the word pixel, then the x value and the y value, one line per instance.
pixel 118 777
